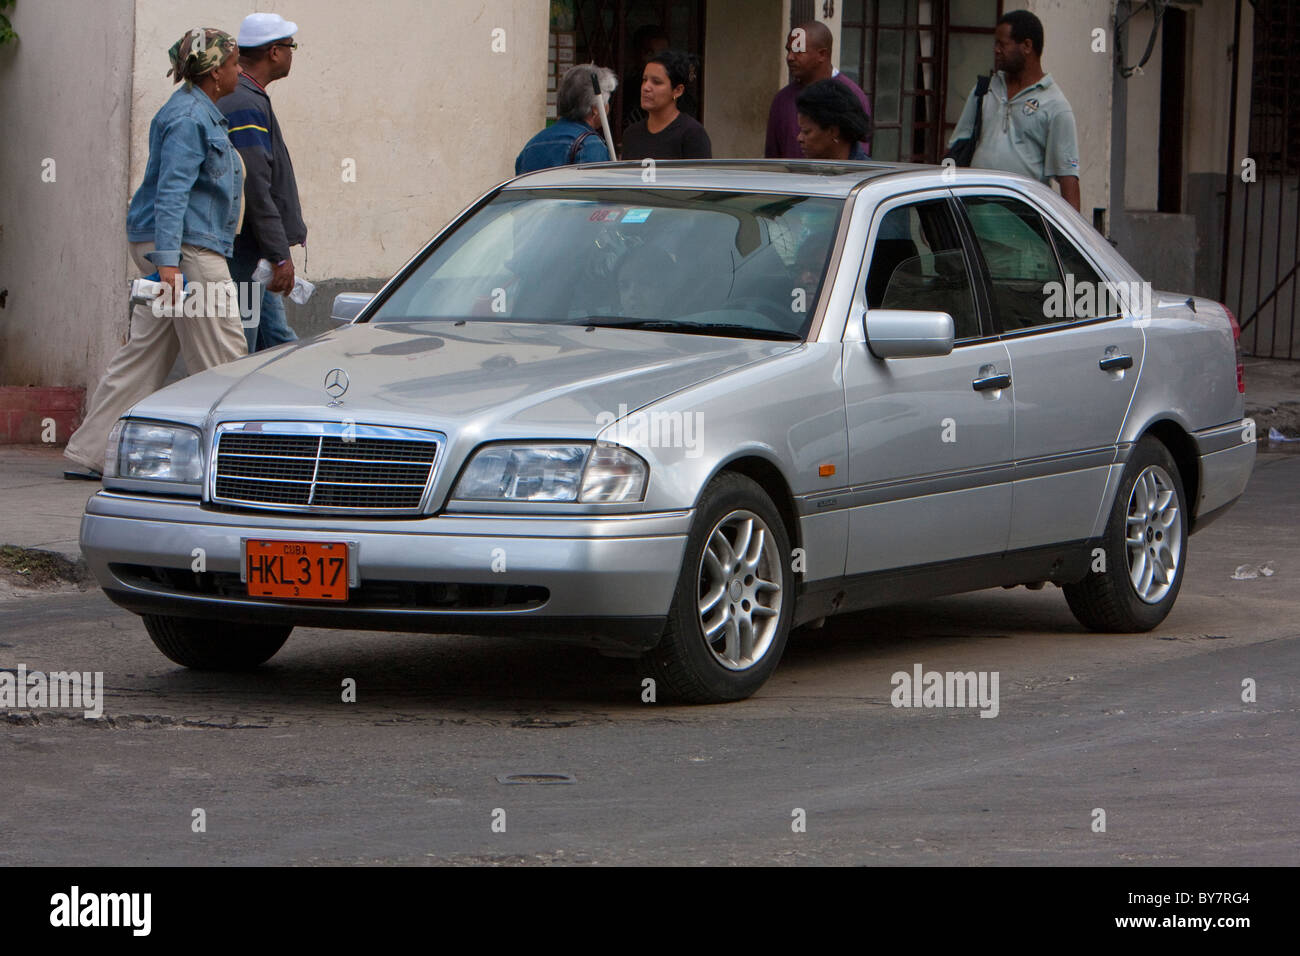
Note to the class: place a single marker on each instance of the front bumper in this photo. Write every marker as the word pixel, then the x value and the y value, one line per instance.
pixel 607 581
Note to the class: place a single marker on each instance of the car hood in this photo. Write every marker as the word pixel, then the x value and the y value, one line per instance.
pixel 500 379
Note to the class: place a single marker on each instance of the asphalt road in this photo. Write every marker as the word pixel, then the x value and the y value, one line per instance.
pixel 1151 728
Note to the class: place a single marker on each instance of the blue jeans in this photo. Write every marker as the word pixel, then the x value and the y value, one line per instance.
pixel 273 329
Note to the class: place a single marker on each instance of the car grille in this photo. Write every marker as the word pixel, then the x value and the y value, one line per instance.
pixel 340 469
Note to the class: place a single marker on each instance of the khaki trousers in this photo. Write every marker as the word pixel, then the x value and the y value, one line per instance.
pixel 141 365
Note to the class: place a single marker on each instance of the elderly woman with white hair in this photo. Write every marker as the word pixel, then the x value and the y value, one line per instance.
pixel 576 136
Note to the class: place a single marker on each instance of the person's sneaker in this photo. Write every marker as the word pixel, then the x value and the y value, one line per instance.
pixel 83 474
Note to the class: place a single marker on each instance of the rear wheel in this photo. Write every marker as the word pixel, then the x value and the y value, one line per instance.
pixel 1145 547
pixel 731 615
pixel 215 645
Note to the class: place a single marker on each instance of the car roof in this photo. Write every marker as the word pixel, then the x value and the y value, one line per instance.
pixel 800 176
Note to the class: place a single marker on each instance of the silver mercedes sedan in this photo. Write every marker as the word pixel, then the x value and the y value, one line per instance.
pixel 674 412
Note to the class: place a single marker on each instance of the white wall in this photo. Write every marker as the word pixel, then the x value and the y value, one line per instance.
pixel 409 89
pixel 1209 59
pixel 61 242
pixel 1084 77
pixel 744 54
pixel 1142 153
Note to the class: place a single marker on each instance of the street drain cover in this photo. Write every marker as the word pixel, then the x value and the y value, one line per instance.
pixel 509 778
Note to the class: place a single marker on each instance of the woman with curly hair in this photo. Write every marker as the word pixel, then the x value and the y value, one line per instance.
pixel 832 123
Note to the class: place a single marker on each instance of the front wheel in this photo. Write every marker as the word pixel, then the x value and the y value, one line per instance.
pixel 214 645
pixel 730 619
pixel 1145 548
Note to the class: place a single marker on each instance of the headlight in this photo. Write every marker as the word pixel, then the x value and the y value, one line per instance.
pixel 553 472
pixel 155 451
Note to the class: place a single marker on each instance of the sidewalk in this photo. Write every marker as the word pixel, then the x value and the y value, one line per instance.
pixel 39 509
pixel 1273 395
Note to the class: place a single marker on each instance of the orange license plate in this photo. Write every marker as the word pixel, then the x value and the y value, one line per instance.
pixel 311 570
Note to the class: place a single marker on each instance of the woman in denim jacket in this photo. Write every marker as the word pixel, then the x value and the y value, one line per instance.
pixel 182 222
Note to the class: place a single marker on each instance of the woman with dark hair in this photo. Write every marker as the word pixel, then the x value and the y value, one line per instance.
pixel 666 132
pixel 832 123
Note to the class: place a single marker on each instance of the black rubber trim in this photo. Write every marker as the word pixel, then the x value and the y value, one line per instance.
pixel 1219 438
pixel 618 634
pixel 1063 563
pixel 900 489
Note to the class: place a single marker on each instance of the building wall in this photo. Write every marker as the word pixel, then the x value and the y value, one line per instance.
pixel 1208 102
pixel 744 47
pixel 1209 61
pixel 410 91
pixel 62 241
pixel 1084 76
pixel 1142 148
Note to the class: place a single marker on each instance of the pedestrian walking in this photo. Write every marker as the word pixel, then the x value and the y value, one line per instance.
pixel 1025 122
pixel 181 222
pixel 273 222
pixel 575 136
pixel 666 132
pixel 808 56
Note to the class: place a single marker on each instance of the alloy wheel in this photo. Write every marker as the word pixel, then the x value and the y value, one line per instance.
pixel 740 590
pixel 1153 534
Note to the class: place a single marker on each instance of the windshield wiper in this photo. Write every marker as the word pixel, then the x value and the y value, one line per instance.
pixel 703 328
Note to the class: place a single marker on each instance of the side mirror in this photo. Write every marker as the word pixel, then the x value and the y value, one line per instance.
pixel 902 333
pixel 348 305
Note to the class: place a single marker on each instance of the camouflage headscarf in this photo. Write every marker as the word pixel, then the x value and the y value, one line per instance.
pixel 198 52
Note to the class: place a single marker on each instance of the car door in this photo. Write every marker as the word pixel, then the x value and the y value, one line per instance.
pixel 1075 357
pixel 930 438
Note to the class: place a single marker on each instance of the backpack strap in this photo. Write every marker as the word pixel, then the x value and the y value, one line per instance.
pixel 576 147
pixel 981 87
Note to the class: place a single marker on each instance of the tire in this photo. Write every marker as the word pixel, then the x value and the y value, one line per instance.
pixel 748 613
pixel 1142 577
pixel 215 645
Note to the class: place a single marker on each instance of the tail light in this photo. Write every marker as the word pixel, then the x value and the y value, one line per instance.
pixel 1236 343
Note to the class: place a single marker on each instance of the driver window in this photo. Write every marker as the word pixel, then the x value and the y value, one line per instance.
pixel 917 263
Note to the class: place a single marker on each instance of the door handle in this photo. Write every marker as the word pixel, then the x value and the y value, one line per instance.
pixel 998 380
pixel 1113 363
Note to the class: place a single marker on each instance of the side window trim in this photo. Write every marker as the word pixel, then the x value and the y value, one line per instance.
pixel 859 301
pixel 986 280
pixel 978 269
pixel 1052 230
pixel 961 192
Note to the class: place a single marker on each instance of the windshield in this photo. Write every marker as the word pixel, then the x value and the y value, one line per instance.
pixel 720 263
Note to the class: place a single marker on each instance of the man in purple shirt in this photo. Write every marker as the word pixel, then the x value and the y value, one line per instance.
pixel 808 55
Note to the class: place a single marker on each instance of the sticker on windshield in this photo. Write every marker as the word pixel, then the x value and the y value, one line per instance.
pixel 605 215
pixel 636 215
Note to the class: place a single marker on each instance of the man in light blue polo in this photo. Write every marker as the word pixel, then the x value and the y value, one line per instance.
pixel 1027 125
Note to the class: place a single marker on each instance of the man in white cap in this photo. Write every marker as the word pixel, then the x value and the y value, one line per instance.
pixel 273 215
